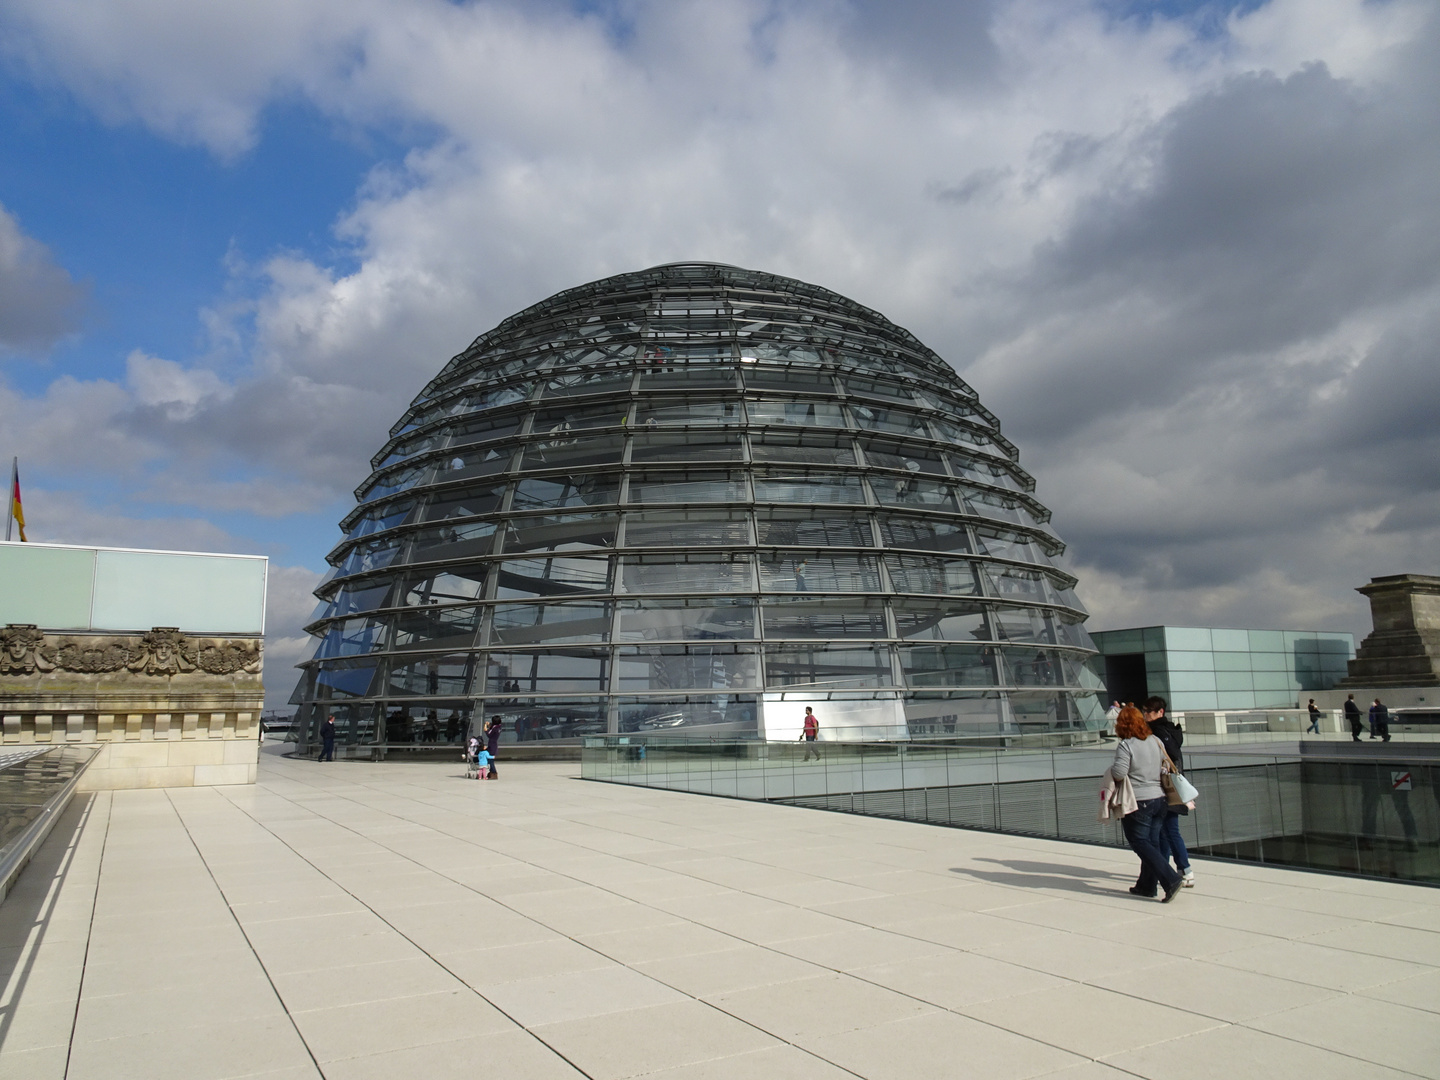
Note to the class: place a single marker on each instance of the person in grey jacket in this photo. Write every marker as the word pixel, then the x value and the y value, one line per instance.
pixel 1138 757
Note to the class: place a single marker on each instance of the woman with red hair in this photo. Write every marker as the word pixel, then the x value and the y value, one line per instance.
pixel 1138 757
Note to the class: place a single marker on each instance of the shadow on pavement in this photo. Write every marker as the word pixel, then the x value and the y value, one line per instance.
pixel 1023 874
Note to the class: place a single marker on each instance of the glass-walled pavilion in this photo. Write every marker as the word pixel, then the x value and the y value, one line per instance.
pixel 697 499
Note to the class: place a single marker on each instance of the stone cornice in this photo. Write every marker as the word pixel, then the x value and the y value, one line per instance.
pixel 27 652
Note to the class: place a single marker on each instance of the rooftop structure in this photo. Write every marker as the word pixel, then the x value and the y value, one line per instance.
pixel 697 497
pixel 1204 668
pixel 1403 649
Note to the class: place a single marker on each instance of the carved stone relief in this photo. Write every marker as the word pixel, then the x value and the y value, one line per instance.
pixel 164 651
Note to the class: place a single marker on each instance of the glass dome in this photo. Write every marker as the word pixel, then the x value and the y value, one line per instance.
pixel 696 499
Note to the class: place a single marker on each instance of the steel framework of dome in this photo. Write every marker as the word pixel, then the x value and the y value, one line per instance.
pixel 696 499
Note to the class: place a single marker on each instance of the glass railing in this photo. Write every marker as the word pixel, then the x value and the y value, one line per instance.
pixel 1353 813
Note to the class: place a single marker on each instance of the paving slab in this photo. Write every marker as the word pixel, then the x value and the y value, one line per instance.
pixel 360 920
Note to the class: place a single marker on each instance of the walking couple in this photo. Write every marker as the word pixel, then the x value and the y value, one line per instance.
pixel 1152 828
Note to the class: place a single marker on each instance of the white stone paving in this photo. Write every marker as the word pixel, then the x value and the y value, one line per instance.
pixel 358 920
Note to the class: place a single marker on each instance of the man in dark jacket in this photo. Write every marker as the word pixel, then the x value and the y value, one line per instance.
pixel 1379 721
pixel 1171 738
pixel 492 743
pixel 327 739
pixel 1352 717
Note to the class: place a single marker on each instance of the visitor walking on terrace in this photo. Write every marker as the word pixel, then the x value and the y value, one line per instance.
pixel 1314 711
pixel 1352 717
pixel 327 739
pixel 1172 844
pixel 809 733
pixel 1138 758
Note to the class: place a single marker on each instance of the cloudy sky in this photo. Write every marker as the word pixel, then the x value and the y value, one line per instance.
pixel 1188 252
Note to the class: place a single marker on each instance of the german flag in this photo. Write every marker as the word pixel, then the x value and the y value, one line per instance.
pixel 17 512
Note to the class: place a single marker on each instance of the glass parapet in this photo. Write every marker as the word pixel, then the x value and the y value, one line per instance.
pixel 1329 811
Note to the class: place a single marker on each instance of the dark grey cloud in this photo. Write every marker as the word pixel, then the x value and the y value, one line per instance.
pixel 977 185
pixel 943 41
pixel 39 303
pixel 1227 367
pixel 1278 209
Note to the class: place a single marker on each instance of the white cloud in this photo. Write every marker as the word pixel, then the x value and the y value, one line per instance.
pixel 1194 275
pixel 288 604
pixel 178 391
pixel 38 300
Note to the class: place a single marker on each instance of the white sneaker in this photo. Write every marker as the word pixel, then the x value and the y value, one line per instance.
pixel 1188 878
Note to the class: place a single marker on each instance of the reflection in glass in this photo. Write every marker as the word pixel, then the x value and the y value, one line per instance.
pixel 445 587
pixel 1024 625
pixel 447 674
pixel 918 574
pixel 560 532
pixel 550 624
pixel 687 487
pixel 537 719
pixel 828 617
pixel 913 491
pixel 780 528
pixel 550 671
pixel 464 502
pixel 449 627
pixel 802 448
pixel 941 620
pixel 557 576
pixel 352 637
pixel 818 571
pixel 686 573
pixel 808 486
pixel 721 715
pixel 685 620
pixel 797 412
pixel 952 665
pixel 932 714
pixel 691 412
pixel 650 445
pixel 574 452
pixel 687 667
pixel 926 534
pixel 687 528
pixel 558 492
pixel 827 665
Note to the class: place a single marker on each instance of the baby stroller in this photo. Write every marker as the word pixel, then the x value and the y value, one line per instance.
pixel 472 767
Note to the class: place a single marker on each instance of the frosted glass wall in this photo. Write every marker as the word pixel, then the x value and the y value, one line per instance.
pixel 1197 667
pixel 59 587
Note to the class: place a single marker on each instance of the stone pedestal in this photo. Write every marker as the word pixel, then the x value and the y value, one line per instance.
pixel 1404 647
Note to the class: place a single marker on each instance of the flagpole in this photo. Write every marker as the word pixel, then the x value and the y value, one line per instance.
pixel 10 496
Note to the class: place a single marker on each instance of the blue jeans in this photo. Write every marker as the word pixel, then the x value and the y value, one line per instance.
pixel 1172 843
pixel 1142 831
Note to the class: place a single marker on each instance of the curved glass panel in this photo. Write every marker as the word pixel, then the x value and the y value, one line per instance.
pixel 679 498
